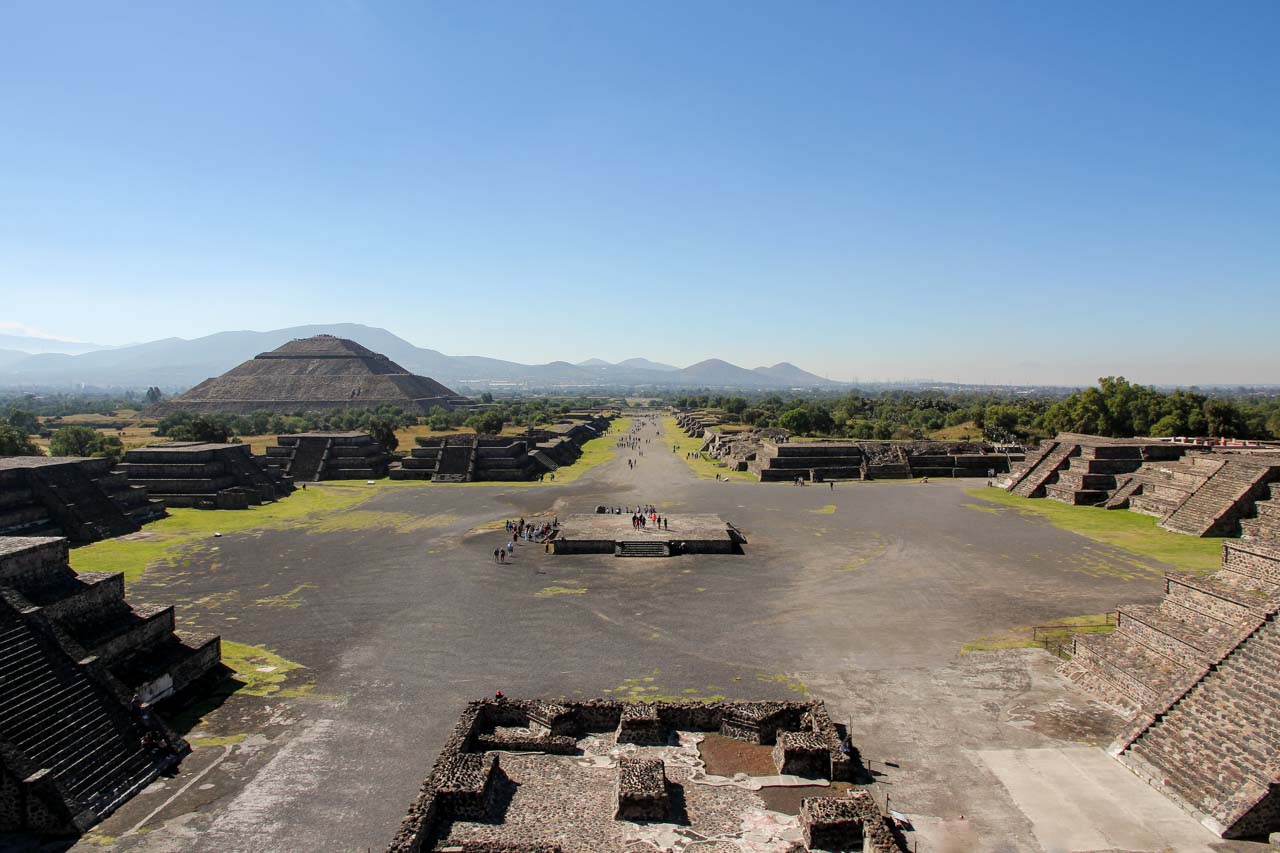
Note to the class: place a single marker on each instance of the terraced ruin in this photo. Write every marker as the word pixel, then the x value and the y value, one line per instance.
pixel 600 776
pixel 315 456
pixel 1192 488
pixel 319 373
pixel 82 499
pixel 1198 674
pixel 79 669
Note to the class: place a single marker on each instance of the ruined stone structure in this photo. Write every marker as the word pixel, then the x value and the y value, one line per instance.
pixel 466 458
pixel 313 456
pixel 1083 469
pixel 869 460
pixel 316 374
pixel 82 499
pixel 1199 674
pixel 73 654
pixel 1190 488
pixel 1205 494
pixel 463 789
pixel 611 533
pixel 205 476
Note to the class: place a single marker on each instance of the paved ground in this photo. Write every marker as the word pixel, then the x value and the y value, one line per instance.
pixel 861 595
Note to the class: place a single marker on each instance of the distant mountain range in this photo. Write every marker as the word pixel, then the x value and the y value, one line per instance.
pixel 175 363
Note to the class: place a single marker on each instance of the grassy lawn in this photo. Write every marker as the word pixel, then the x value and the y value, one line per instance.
pixel 967 431
pixel 595 452
pixel 1058 630
pixel 703 468
pixel 1129 531
pixel 163 542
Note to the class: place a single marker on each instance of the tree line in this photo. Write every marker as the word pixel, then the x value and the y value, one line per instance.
pixel 1114 407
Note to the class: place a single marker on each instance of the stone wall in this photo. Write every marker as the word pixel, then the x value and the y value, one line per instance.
pixel 479 724
pixel 204 476
pixel 83 499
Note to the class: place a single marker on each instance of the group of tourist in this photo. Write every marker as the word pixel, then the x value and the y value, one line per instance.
pixel 643 517
pixel 526 532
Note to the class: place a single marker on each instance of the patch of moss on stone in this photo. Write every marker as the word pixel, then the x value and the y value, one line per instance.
pixel 793 684
pixel 289 599
pixel 549 591
pixel 171 540
pixel 263 672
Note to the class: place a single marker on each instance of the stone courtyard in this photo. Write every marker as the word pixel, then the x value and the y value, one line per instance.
pixel 860 596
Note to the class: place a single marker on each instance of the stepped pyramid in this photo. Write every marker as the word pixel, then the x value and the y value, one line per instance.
pixel 73 658
pixel 313 374
pixel 82 499
pixel 1199 674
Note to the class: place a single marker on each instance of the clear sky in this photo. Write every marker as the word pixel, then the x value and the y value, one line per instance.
pixel 1014 192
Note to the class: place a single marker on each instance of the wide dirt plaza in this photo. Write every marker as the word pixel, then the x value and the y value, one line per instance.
pixel 384 616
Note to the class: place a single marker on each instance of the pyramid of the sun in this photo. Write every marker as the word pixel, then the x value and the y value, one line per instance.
pixel 313 374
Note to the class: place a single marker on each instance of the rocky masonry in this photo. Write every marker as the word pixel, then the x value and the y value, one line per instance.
pixel 82 499
pixel 313 456
pixel 1189 488
pixel 205 476
pixel 466 458
pixel 73 657
pixel 314 374
pixel 1200 675
pixel 578 799
pixel 642 789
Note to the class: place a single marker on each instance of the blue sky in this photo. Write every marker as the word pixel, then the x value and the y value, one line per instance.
pixel 1012 192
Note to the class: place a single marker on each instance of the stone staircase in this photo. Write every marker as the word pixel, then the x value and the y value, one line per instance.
pixel 643 549
pixel 1215 509
pixel 137 645
pixel 1041 470
pixel 59 723
pixel 1264 525
pixel 454 463
pixel 1202 705
pixel 78 504
pixel 1216 749
pixel 1126 486
pixel 308 459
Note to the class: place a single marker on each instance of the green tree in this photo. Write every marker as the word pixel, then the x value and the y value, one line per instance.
pixel 25 421
pixel 16 442
pixel 796 420
pixel 486 423
pixel 383 431
pixel 76 441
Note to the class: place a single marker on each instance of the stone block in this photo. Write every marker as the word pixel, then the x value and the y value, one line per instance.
pixel 642 789
pixel 802 754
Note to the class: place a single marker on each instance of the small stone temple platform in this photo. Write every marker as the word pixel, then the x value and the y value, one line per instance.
pixel 612 533
pixel 603 776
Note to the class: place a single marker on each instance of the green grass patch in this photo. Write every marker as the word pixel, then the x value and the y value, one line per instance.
pixel 829 509
pixel 1128 531
pixel 226 740
pixel 363 519
pixel 703 468
pixel 263 672
pixel 289 599
pixel 595 452
pixel 1056 630
pixel 168 540
pixel 795 685
pixel 551 591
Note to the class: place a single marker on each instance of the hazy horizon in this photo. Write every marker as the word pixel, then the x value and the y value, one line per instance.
pixel 978 192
